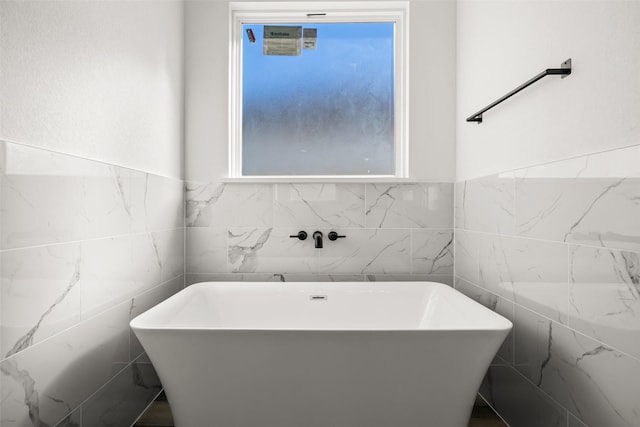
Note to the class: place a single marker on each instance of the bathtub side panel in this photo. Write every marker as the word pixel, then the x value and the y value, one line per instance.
pixel 315 379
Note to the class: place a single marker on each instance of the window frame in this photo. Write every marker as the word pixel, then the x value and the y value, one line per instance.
pixel 241 13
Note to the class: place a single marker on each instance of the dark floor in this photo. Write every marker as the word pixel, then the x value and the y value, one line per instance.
pixel 159 415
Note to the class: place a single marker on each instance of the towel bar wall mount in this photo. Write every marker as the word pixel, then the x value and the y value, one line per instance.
pixel 563 71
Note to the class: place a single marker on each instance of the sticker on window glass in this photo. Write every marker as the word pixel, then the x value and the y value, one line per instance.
pixel 251 36
pixel 280 40
pixel 310 38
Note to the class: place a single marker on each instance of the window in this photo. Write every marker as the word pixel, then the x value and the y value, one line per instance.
pixel 318 91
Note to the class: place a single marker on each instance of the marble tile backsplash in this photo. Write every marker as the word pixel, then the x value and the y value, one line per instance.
pixel 84 247
pixel 557 247
pixel 393 230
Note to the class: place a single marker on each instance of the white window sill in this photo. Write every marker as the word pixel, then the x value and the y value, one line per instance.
pixel 319 179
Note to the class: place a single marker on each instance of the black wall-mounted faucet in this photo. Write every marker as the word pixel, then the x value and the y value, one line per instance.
pixel 317 237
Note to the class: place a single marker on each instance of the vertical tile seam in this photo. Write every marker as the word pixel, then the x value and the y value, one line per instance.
pixel 274 190
pixel 184 232
pixel 411 237
pixel 568 249
pixel 364 208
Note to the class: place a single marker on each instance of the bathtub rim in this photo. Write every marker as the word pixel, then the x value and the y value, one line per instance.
pixel 503 325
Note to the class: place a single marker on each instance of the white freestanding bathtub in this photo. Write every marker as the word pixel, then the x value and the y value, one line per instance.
pixel 390 354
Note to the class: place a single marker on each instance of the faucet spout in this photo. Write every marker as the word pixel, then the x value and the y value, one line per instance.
pixel 317 237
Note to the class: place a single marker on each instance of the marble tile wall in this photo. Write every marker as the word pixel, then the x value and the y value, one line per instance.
pixel 238 231
pixel 84 247
pixel 556 248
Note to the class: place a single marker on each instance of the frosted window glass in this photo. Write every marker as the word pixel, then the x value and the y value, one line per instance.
pixel 328 111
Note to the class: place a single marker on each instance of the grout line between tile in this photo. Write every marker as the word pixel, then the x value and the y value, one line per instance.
pixel 90 159
pixel 554 321
pixel 91 317
pixel 92 239
pixel 563 159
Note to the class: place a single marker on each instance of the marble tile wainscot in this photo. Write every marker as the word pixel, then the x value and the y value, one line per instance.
pixel 556 247
pixel 240 231
pixel 84 247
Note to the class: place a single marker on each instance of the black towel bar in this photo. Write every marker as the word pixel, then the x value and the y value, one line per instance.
pixel 564 71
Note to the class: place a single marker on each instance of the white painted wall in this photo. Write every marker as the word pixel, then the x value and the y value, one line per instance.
pixel 501 44
pixel 97 79
pixel 432 90
pixel 206 90
pixel 86 245
pixel 432 86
